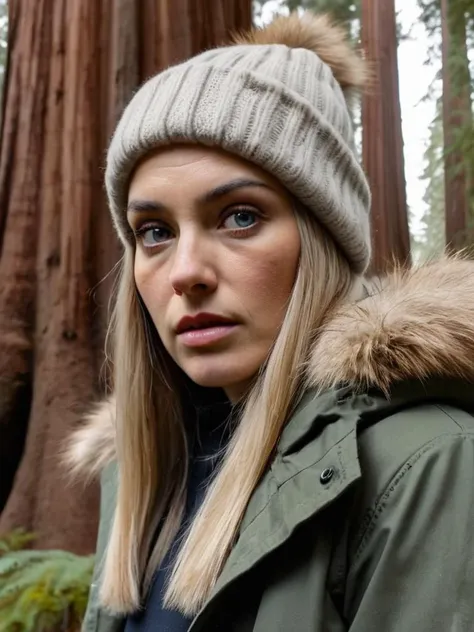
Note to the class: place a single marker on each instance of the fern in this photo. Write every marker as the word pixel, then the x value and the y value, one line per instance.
pixel 15 540
pixel 41 590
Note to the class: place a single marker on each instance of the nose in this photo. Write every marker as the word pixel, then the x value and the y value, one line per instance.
pixel 192 272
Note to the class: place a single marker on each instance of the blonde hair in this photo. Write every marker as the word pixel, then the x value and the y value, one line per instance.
pixel 151 444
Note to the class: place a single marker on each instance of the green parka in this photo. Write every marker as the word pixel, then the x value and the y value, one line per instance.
pixel 364 520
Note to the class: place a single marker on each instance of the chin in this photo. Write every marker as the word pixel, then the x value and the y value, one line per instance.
pixel 218 373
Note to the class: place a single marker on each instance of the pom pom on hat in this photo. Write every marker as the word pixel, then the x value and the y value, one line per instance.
pixel 319 34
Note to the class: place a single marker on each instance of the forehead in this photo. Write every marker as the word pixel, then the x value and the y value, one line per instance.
pixel 193 166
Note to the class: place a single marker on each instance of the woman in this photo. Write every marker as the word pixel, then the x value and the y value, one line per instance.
pixel 335 491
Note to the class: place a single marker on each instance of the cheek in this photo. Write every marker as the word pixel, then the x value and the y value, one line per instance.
pixel 269 280
pixel 151 287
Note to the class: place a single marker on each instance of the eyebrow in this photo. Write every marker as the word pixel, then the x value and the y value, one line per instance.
pixel 228 187
pixel 143 206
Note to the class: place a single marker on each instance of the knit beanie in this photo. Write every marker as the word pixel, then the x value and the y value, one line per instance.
pixel 277 98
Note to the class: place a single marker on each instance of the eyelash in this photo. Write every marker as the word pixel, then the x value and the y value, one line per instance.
pixel 141 230
pixel 235 210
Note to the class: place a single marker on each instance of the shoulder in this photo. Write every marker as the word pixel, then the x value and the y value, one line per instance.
pixel 405 436
pixel 412 521
pixel 423 452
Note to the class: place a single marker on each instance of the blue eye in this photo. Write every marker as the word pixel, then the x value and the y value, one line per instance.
pixel 240 219
pixel 153 236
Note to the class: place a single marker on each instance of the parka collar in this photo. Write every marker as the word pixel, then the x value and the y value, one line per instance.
pixel 412 325
pixel 316 461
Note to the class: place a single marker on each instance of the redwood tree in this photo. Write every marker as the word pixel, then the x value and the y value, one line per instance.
pixel 457 121
pixel 71 68
pixel 382 141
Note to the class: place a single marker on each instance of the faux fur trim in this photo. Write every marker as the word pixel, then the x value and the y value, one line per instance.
pixel 92 446
pixel 414 324
pixel 319 34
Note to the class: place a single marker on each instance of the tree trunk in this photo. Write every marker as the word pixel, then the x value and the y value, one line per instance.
pixel 382 139
pixel 457 120
pixel 20 165
pixel 72 67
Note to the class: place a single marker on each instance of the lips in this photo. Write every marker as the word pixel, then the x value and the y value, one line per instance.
pixel 202 321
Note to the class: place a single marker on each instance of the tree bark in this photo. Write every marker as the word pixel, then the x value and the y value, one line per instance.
pixel 20 165
pixel 72 66
pixel 457 119
pixel 382 139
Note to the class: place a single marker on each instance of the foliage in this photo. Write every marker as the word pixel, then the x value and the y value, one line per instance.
pixel 344 11
pixel 461 27
pixel 433 219
pixel 41 590
pixel 15 541
pixel 430 15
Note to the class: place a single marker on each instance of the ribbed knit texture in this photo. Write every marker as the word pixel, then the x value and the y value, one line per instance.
pixel 277 107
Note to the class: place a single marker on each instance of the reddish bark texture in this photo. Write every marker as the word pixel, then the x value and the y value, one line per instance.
pixel 382 138
pixel 72 67
pixel 457 116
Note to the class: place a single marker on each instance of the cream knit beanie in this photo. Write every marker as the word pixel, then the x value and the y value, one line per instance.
pixel 277 99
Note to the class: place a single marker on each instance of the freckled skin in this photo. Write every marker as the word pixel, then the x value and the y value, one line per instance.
pixel 196 257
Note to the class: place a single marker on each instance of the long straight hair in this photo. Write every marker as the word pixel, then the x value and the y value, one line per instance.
pixel 151 445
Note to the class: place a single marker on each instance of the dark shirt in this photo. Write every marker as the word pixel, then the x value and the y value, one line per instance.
pixel 210 435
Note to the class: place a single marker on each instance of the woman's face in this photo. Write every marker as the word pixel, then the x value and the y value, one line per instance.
pixel 217 250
